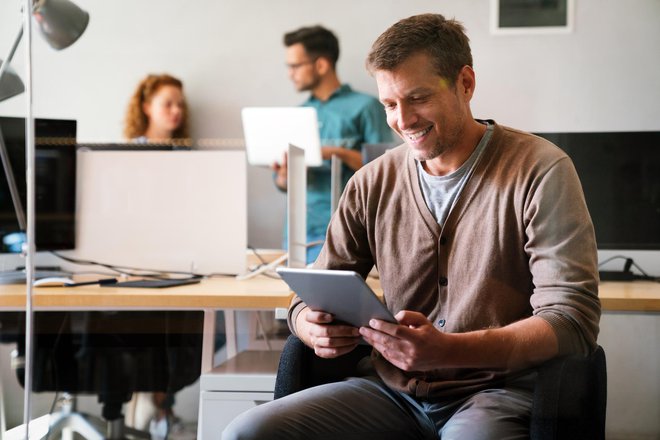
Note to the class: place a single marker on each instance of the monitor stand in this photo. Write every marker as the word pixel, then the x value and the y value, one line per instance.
pixel 335 183
pixel 296 204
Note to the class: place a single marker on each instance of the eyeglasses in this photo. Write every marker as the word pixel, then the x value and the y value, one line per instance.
pixel 297 66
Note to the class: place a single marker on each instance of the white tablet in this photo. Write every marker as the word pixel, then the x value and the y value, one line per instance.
pixel 268 131
pixel 343 293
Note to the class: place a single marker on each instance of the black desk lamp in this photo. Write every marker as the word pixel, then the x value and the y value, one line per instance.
pixel 61 23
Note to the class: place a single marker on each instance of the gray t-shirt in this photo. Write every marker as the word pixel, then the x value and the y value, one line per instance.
pixel 440 192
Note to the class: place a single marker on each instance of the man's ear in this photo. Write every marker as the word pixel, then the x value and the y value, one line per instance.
pixel 466 82
pixel 323 65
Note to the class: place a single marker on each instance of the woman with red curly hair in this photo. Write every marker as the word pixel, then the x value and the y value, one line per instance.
pixel 157 111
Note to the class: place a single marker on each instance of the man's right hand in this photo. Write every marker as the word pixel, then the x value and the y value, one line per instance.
pixel 316 330
pixel 281 173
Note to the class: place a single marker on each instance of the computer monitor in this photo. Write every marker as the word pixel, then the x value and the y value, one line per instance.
pixel 620 175
pixel 171 211
pixel 55 184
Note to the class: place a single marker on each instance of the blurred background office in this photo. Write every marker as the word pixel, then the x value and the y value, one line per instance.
pixel 229 55
pixel 601 76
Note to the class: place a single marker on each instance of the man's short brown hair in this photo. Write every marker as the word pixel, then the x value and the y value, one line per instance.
pixel 444 41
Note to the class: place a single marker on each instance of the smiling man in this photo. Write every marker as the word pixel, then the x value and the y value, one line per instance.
pixel 486 254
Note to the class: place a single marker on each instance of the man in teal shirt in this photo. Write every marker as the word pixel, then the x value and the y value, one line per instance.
pixel 347 119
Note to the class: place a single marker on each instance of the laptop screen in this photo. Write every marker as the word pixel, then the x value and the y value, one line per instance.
pixel 268 132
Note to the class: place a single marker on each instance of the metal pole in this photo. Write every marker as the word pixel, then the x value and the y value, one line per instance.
pixel 30 249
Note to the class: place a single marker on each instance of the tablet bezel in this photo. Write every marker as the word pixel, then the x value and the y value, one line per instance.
pixel 343 293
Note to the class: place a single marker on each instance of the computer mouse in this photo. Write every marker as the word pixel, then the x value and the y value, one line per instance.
pixel 53 282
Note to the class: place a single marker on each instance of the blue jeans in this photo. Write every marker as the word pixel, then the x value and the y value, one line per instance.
pixel 365 408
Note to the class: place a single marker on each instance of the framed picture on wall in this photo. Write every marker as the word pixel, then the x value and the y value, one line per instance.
pixel 531 16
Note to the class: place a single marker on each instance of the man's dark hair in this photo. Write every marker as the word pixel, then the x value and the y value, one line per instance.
pixel 444 41
pixel 317 41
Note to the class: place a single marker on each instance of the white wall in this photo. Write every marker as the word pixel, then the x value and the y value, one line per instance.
pixel 603 76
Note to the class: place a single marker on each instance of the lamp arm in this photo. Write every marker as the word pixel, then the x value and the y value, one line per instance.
pixel 4 156
pixel 11 182
pixel 12 51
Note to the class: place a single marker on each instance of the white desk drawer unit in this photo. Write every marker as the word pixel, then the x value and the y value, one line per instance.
pixel 240 383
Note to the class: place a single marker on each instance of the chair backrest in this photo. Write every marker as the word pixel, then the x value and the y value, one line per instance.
pixel 570 398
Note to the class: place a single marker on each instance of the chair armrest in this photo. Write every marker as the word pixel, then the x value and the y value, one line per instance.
pixel 300 368
pixel 290 371
pixel 570 398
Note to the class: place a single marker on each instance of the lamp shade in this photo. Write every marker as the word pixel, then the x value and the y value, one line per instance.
pixel 10 83
pixel 61 22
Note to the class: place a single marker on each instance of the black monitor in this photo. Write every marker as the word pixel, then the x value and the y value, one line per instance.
pixel 55 184
pixel 620 175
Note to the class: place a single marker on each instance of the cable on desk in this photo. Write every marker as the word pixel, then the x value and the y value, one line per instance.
pixel 264 268
pixel 631 263
pixel 256 254
pixel 268 269
pixel 130 271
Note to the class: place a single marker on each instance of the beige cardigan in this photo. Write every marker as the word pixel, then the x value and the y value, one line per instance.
pixel 518 242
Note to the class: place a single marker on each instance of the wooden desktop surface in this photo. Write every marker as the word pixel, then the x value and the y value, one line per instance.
pixel 635 296
pixel 214 293
pixel 257 293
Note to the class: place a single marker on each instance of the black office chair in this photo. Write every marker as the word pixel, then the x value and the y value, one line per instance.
pixel 569 398
pixel 109 354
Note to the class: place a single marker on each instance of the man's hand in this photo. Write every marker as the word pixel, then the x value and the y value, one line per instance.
pixel 412 345
pixel 328 340
pixel 281 173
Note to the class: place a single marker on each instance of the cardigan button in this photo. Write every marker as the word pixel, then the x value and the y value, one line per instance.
pixel 443 240
pixel 443 281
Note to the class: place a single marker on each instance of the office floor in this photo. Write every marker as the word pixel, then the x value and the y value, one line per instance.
pixel 139 412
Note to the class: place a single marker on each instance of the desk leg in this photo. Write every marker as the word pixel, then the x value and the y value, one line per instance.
pixel 232 338
pixel 208 340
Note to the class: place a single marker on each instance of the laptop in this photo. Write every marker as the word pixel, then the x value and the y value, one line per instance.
pixel 268 131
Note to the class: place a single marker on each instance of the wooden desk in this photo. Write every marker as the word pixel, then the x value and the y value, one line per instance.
pixel 260 293
pixel 635 296
pixel 214 293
